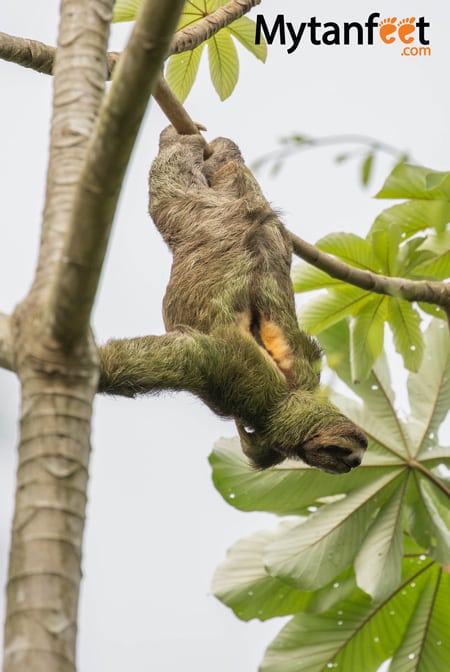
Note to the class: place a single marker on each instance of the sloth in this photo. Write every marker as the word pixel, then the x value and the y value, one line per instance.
pixel 233 337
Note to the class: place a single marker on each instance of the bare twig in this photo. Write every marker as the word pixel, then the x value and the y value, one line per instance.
pixel 298 143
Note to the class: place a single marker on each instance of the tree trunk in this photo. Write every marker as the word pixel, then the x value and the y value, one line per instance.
pixel 48 341
pixel 45 556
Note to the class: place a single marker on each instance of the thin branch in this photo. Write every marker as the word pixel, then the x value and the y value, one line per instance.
pixel 6 343
pixel 412 290
pixel 173 110
pixel 27 53
pixel 297 143
pixel 202 30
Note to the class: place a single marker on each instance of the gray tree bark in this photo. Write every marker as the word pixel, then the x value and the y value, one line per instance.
pixel 48 342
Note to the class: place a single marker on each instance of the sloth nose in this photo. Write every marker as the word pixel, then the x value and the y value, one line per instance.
pixel 352 460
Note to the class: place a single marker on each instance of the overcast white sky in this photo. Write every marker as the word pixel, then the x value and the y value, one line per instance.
pixel 156 527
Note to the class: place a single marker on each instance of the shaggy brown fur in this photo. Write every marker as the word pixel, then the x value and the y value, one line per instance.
pixel 229 309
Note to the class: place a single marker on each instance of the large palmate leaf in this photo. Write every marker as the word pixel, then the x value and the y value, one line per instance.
pixel 306 278
pixel 429 391
pixel 324 311
pixel 415 216
pixel 405 325
pixel 243 583
pixel 223 63
pixel 411 626
pixel 289 488
pixel 182 68
pixel 366 337
pixel 389 250
pixel 317 550
pixel 407 181
pixel 438 264
pixel 397 475
pixel 352 249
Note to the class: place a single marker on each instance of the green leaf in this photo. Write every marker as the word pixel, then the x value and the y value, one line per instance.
pixel 125 10
pixel 404 321
pixel 438 180
pixel 366 169
pixel 425 645
pixel 407 181
pixel 182 70
pixel 410 256
pixel 439 264
pixel 324 311
pixel 342 158
pixel 243 583
pixel 194 11
pixel 378 564
pixel 377 416
pixel 288 488
pixel 243 30
pixel 335 533
pixel 428 517
pixel 223 63
pixel 351 249
pixel 433 310
pixel 211 5
pixel 429 388
pixel 306 278
pixel 385 245
pixel 414 216
pixel 366 338
pixel 359 635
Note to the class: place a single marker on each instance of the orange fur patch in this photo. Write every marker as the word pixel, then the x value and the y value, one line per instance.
pixel 277 346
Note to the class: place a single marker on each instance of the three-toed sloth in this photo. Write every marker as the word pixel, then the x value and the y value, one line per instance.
pixel 232 333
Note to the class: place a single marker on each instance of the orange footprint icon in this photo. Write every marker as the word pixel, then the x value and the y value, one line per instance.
pixel 387 28
pixel 405 29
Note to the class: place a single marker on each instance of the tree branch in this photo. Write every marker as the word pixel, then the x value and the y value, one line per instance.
pixel 39 56
pixel 411 290
pixel 191 36
pixel 6 343
pixel 78 69
pixel 99 185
